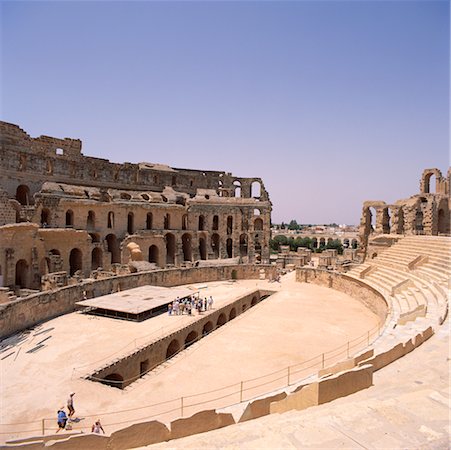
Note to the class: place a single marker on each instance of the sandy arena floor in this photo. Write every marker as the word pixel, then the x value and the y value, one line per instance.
pixel 295 324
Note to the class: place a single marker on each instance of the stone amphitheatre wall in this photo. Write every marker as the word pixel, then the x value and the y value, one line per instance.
pixel 356 289
pixel 20 314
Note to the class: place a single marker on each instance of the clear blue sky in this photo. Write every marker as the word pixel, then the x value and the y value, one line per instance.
pixel 331 103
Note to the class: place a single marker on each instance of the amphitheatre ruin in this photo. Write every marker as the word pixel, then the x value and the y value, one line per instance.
pixel 298 350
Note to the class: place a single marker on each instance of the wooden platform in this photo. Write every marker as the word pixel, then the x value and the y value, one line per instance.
pixel 136 304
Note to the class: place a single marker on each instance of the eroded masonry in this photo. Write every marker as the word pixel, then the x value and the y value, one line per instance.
pixel 426 213
pixel 65 216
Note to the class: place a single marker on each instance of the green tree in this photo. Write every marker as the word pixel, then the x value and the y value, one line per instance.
pixel 293 225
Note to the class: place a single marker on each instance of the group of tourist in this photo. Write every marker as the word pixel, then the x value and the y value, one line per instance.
pixel 64 420
pixel 189 304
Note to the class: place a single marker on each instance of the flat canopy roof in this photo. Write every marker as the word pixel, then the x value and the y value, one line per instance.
pixel 138 300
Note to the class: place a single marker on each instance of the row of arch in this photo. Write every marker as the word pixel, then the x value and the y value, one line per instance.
pixel 91 221
pixel 177 345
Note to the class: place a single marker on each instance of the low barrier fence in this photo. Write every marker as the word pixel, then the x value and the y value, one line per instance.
pixel 239 392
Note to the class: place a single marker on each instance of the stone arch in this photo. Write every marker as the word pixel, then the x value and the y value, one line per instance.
pixel 322 242
pixel 23 195
pixel 173 348
pixel 170 248
pixel 354 243
pixel 110 223
pixel 186 247
pixel 315 242
pixel 229 224
pixel 419 221
pixel 346 243
pixel 215 245
pixel 237 188
pixel 115 380
pixel 167 221
pixel 208 328
pixel 426 181
pixel 201 223
pixel 45 217
pixel 257 212
pixel 243 245
pixel 329 241
pixel 185 222
pixel 443 221
pixel 22 274
pixel 386 221
pixel 149 221
pixel 153 254
pixel 75 261
pixel 113 248
pixel 215 223
pixel 96 258
pixel 222 319
pixel 258 224
pixel 229 248
pixel 130 223
pixel 232 314
pixel 91 220
pixel 191 338
pixel 95 237
pixel 202 247
pixel 69 218
pixel 256 189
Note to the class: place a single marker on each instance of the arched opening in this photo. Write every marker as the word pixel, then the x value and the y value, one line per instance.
pixel 255 189
pixel 400 229
pixel 232 314
pixel 75 261
pixel 45 218
pixel 419 222
pixel 110 223
pixel 114 380
pixel 234 275
pixel 23 195
pixel 244 307
pixel 191 338
pixel 149 220
pixel 329 241
pixel 167 221
pixel 172 349
pixel 229 248
pixel 130 225
pixel 91 220
pixel 185 222
pixel 113 248
pixel 215 245
pixel 442 222
pixel 202 248
pixel 258 224
pixel 186 247
pixel 208 328
pixel 257 212
pixel 229 224
pixel 385 221
pixel 221 320
pixel 254 301
pixel 153 254
pixel 354 243
pixel 428 184
pixel 346 243
pixel 372 219
pixel 243 245
pixel 322 242
pixel 215 223
pixel 170 248
pixel 315 242
pixel 69 218
pixel 96 258
pixel 201 223
pixel 22 273
pixel 237 188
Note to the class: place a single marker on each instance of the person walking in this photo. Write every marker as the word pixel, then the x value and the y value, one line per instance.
pixel 70 404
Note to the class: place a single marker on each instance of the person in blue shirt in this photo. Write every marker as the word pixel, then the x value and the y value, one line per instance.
pixel 62 419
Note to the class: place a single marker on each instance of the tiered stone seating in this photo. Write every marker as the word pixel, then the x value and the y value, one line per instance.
pixel 414 275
